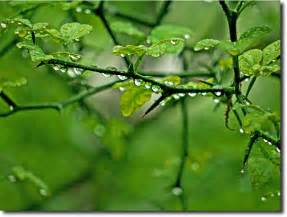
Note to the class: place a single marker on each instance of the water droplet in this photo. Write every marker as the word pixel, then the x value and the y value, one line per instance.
pixel 216 100
pixel 162 103
pixel 192 94
pixel 218 93
pixel 12 21
pixel 242 171
pixel 63 69
pixel 265 140
pixel 278 150
pixel 71 72
pixel 147 85
pixel 155 88
pixel 176 191
pixel 176 96
pixel 99 130
pixel 56 67
pixel 78 71
pixel 43 192
pixel 173 42
pixel 148 41
pixel 241 130
pixel 16 32
pixel 138 82
pixel 11 108
pixel 247 103
pixel 78 9
pixel 186 36
pixel 181 94
pixel 195 166
pixel 272 195
pixel 106 75
pixel 122 77
pixel 111 68
pixel 74 57
pixel 246 79
pixel 122 89
pixel 122 55
pixel 263 199
pixel 87 11
pixel 278 194
pixel 3 25
pixel 168 83
pixel 273 61
pixel 206 48
pixel 77 39
pixel 269 143
pixel 12 178
pixel 203 93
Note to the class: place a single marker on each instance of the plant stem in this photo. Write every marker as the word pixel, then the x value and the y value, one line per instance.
pixel 55 105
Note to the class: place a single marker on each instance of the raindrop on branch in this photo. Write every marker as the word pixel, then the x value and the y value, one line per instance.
pixel 155 88
pixel 181 94
pixel 79 10
pixel 218 93
pixel 203 93
pixel 241 130
pixel 3 25
pixel 263 199
pixel 176 191
pixel 43 192
pixel 87 11
pixel 176 96
pixel 242 171
pixel 186 36
pixel 138 82
pixel 192 94
pixel 147 85
pixel 106 75
pixel 122 77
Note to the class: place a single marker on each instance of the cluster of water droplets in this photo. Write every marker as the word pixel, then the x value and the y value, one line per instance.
pixel 264 198
pixel 71 72
pixel 83 10
pixel 3 25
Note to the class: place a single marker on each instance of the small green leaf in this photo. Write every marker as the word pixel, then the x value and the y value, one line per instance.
pixel 250 62
pixel 17 83
pixel 36 53
pixel 132 99
pixel 138 50
pixel 173 45
pixel 164 32
pixel 206 44
pixel 74 31
pixel 255 32
pixel 127 28
pixel 271 52
pixel 261 172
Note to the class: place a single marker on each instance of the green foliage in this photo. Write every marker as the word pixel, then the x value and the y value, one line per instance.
pixel 206 44
pixel 7 83
pixel 257 62
pixel 36 53
pixel 127 28
pixel 165 32
pixel 74 31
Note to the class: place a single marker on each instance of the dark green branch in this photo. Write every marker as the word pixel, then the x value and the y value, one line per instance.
pixel 58 105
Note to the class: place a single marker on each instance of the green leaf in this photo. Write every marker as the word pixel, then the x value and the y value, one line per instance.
pixel 132 99
pixel 258 121
pixel 271 52
pixel 36 53
pixel 172 80
pixel 17 83
pixel 250 62
pixel 126 28
pixel 164 32
pixel 261 172
pixel 173 45
pixel 74 31
pixel 206 44
pixel 255 32
pixel 138 50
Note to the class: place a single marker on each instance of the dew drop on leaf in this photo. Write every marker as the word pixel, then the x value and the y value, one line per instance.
pixel 263 199
pixel 176 96
pixel 138 82
pixel 278 150
pixel 181 94
pixel 241 130
pixel 78 9
pixel 186 36
pixel 3 25
pixel 192 94
pixel 242 171
pixel 56 67
pixel 206 48
pixel 87 11
pixel 278 194
pixel 11 108
pixel 162 103
pixel 216 100
pixel 172 42
pixel 176 191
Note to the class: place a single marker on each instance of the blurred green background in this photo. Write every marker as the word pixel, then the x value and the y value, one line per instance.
pixel 93 159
